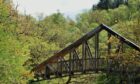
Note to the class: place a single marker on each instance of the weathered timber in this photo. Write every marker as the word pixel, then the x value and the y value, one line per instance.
pixel 123 39
pixel 82 40
pixel 66 50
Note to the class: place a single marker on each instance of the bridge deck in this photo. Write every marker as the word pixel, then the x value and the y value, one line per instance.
pixel 58 66
pixel 103 65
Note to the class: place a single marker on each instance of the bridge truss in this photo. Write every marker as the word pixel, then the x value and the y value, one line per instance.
pixel 86 55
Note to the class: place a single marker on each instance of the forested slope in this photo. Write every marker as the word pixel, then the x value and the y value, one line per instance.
pixel 26 42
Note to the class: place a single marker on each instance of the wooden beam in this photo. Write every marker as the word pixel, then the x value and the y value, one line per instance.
pixel 117 35
pixel 96 50
pixel 63 52
pixel 66 50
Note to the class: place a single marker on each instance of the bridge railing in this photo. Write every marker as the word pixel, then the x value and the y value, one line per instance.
pixel 69 62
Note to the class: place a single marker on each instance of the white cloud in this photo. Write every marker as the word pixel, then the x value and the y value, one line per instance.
pixel 48 7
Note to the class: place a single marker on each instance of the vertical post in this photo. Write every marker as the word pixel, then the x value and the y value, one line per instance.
pixel 74 61
pixel 70 67
pixel 96 51
pixel 83 57
pixel 70 63
pixel 59 68
pixel 47 72
pixel 109 52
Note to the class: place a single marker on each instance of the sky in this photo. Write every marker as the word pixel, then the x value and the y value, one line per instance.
pixel 47 7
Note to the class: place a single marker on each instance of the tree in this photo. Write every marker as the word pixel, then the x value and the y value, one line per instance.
pixel 111 4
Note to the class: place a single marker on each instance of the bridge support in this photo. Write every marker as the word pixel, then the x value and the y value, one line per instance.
pixel 83 57
pixel 58 65
pixel 96 51
pixel 47 72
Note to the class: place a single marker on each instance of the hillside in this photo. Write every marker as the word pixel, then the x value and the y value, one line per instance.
pixel 26 42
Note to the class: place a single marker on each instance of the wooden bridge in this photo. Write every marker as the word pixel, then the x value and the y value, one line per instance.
pixel 86 56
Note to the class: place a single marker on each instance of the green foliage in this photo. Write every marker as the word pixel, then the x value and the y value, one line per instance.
pixel 25 42
pixel 108 79
pixel 107 4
